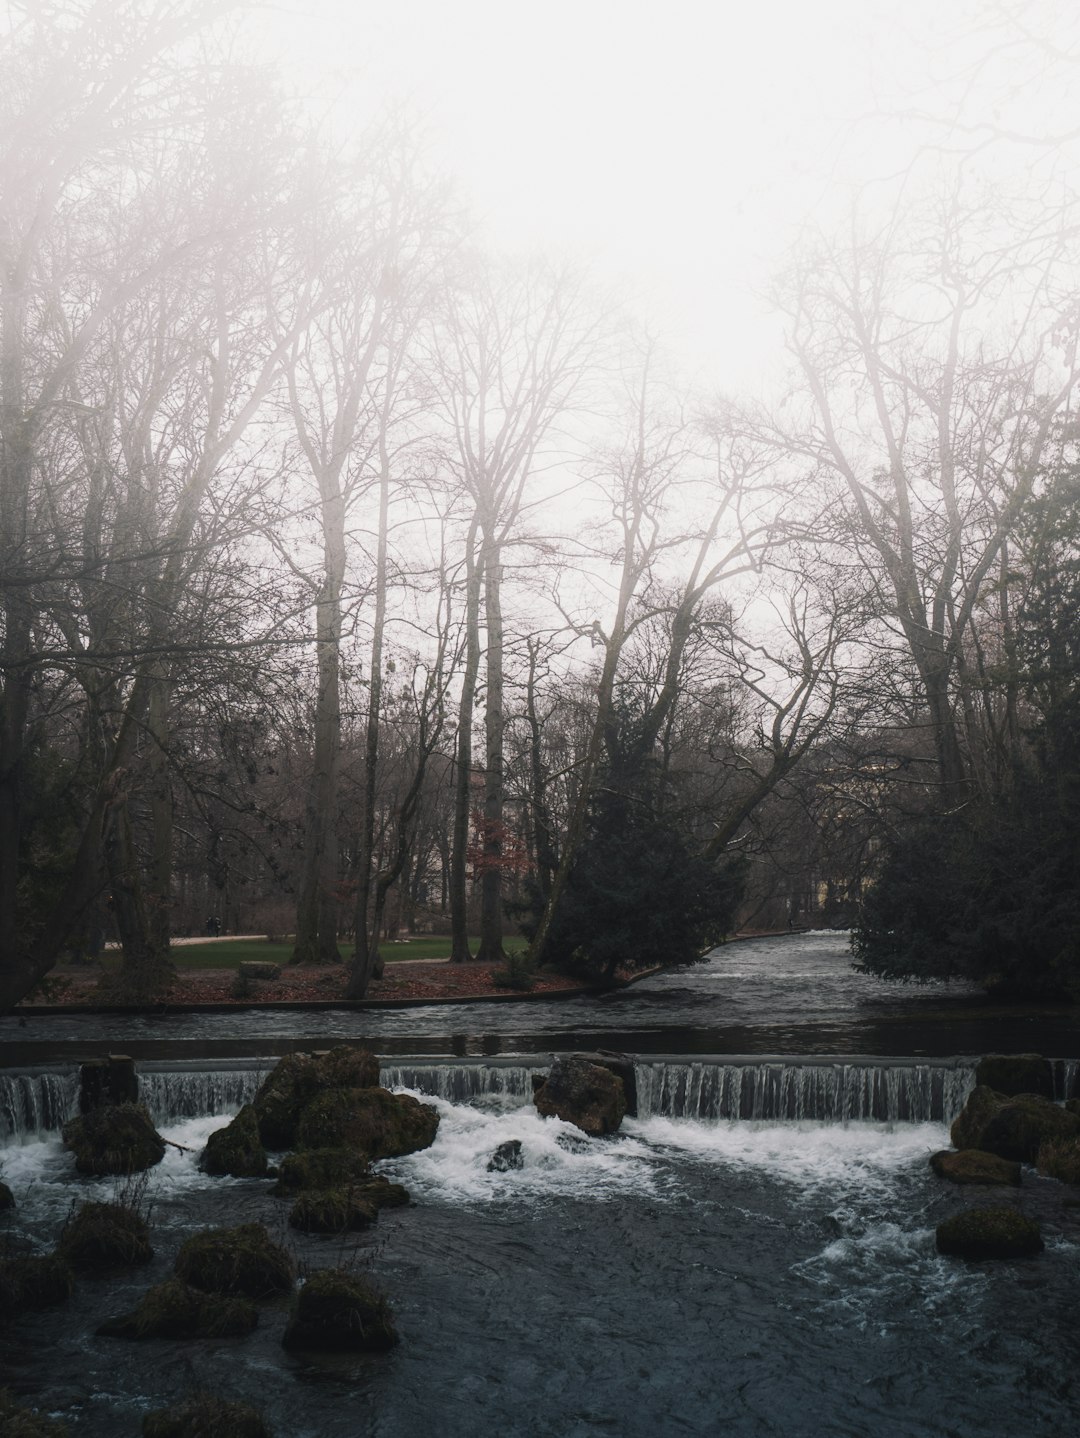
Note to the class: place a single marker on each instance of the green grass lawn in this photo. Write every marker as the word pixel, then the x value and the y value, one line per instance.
pixel 230 953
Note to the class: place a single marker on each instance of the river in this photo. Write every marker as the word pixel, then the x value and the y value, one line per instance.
pixel 752 1255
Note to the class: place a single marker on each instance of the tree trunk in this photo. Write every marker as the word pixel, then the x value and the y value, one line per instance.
pixel 460 953
pixel 491 917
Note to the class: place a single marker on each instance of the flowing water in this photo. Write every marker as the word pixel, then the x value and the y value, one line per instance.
pixel 752 1255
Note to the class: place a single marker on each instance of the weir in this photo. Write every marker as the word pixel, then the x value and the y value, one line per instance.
pixel 826 1089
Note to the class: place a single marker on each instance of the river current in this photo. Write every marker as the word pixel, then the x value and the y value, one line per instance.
pixel 699 1273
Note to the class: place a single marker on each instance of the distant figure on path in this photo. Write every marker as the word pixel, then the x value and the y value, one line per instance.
pixel 213 926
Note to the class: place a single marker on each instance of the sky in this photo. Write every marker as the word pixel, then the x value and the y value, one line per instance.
pixel 679 149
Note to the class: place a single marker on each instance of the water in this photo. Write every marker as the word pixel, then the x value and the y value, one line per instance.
pixel 753 1255
pixel 796 994
pixel 688 1276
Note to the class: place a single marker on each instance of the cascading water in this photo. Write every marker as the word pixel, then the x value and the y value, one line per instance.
pixel 825 1091
pixel 197 1091
pixel 35 1102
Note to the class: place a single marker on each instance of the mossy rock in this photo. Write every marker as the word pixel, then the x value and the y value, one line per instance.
pixel 242 1260
pixel 117 1138
pixel 584 1094
pixel 377 1123
pixel 332 1210
pixel 1060 1160
pixel 310 1168
pixel 972 1166
pixel 18 1422
pixel 989 1233
pixel 104 1237
pixel 174 1309
pixel 340 1312
pixel 36 1282
pixel 7 1198
pixel 204 1415
pixel 236 1149
pixel 1012 1074
pixel 1014 1128
pixel 296 1080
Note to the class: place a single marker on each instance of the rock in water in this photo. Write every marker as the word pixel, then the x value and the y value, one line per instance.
pixel 1014 1128
pixel 7 1198
pixel 298 1078
pixel 204 1415
pixel 1061 1160
pixel 104 1237
pixel 115 1138
pixel 973 1166
pixel 989 1233
pixel 583 1094
pixel 30 1283
pixel 236 1149
pixel 1016 1073
pixel 241 1260
pixel 340 1312
pixel 177 1310
pixel 16 1422
pixel 507 1156
pixel 312 1168
pixel 373 1121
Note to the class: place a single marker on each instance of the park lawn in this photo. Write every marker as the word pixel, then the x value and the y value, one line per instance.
pixel 230 953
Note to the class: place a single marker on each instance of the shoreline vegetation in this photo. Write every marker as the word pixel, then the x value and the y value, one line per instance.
pixel 418 972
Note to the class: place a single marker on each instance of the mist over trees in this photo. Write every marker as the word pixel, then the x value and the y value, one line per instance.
pixel 356 581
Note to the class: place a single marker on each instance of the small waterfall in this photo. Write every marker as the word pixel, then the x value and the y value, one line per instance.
pixel 1065 1077
pixel 460 1082
pixel 824 1091
pixel 172 1092
pixel 34 1103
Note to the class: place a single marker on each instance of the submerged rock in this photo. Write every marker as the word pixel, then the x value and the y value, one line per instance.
pixel 242 1260
pixel 320 1168
pixel 236 1149
pixel 1060 1160
pixel 18 1422
pixel 174 1309
pixel 104 1237
pixel 973 1166
pixel 115 1138
pixel 204 1415
pixel 340 1312
pixel 1013 1128
pixel 377 1123
pixel 989 1233
pixel 35 1282
pixel 1012 1074
pixel 582 1093
pixel 506 1157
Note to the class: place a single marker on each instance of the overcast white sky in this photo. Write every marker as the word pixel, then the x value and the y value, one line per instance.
pixel 678 147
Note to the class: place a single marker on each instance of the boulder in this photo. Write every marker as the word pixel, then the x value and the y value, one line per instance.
pixel 1013 1128
pixel 267 973
pixel 1072 1105
pixel 337 1210
pixel 583 1094
pixel 242 1260
pixel 36 1282
pixel 236 1149
pixel 310 1168
pixel 204 1415
pixel 104 1237
pixel 298 1078
pixel 340 1312
pixel 1016 1073
pixel 177 1310
pixel 622 1066
pixel 506 1157
pixel 115 1138
pixel 16 1422
pixel 377 1123
pixel 989 1233
pixel 332 1210
pixel 972 1166
pixel 1060 1160
pixel 107 1081
pixel 7 1198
